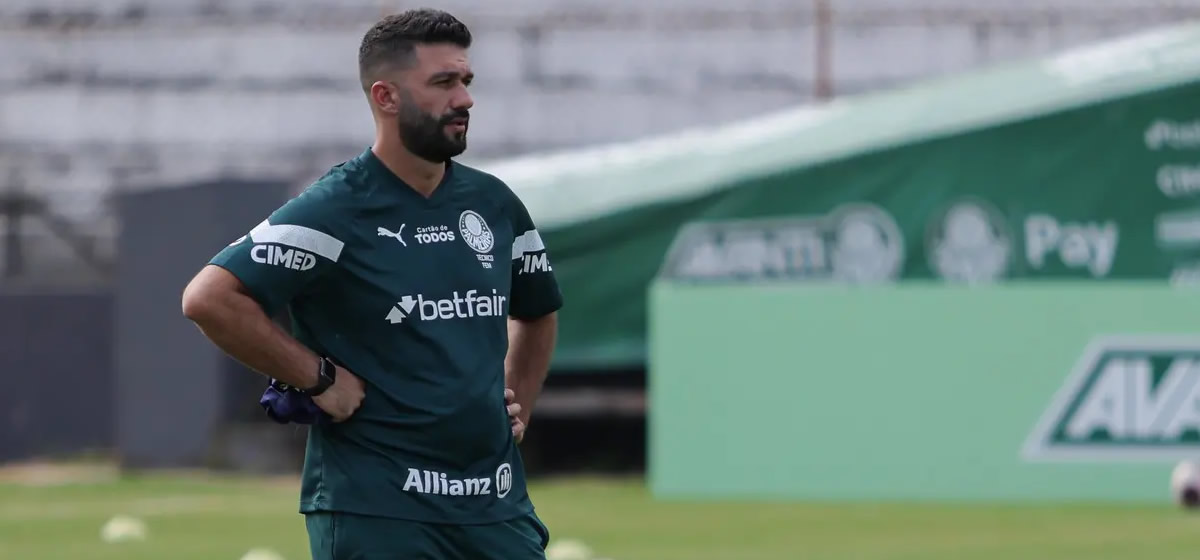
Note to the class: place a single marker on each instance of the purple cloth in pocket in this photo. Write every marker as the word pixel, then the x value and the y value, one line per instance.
pixel 286 404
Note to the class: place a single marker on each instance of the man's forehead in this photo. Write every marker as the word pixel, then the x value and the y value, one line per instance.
pixel 442 57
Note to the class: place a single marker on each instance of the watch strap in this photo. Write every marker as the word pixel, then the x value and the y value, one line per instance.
pixel 326 374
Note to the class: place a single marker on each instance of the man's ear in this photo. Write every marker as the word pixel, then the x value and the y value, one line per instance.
pixel 383 95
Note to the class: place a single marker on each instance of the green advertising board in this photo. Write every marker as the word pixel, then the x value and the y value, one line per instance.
pixel 1027 391
pixel 1072 196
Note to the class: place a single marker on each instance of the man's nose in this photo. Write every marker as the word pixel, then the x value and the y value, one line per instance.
pixel 463 100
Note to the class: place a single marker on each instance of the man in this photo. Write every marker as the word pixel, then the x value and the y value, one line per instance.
pixel 424 315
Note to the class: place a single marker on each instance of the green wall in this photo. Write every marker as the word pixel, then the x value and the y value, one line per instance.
pixel 922 391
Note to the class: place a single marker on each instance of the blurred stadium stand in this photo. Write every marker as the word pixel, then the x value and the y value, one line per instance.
pixel 99 97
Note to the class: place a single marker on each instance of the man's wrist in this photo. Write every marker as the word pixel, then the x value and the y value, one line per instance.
pixel 326 375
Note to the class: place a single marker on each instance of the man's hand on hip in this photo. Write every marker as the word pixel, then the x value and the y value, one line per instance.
pixel 514 414
pixel 342 398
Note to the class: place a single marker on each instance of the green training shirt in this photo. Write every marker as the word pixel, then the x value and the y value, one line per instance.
pixel 412 294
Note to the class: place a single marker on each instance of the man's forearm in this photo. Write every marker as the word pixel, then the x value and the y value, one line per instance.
pixel 237 325
pixel 530 347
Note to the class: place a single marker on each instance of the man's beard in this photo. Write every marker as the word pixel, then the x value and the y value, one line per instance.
pixel 425 135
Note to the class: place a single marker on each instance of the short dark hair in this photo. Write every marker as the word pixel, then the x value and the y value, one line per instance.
pixel 390 43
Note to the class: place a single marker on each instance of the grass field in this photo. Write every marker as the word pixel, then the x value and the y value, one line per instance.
pixel 193 517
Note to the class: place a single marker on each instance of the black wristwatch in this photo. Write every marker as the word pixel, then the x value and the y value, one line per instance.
pixel 326 373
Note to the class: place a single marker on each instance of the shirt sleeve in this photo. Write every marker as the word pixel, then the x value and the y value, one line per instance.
pixel 535 291
pixel 286 254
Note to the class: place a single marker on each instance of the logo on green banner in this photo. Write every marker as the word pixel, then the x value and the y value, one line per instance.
pixel 1128 398
pixel 969 243
pixel 853 244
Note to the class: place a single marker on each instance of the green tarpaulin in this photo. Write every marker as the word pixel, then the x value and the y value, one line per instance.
pixel 1081 165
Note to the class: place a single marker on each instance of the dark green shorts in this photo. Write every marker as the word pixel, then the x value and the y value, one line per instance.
pixel 344 536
